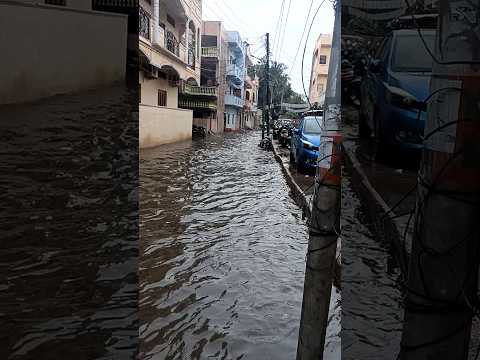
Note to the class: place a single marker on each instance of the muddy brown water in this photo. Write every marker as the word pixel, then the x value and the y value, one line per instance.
pixel 223 253
pixel 69 223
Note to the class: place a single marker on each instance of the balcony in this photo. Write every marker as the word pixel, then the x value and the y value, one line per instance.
pixel 144 24
pixel 235 40
pixel 196 104
pixel 210 52
pixel 198 90
pixel 232 100
pixel 235 71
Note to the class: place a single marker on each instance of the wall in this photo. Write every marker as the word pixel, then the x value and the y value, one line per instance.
pixel 155 120
pixel 319 72
pixel 149 91
pixel 42 61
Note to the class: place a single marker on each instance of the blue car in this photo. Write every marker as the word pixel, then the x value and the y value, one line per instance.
pixel 305 143
pixel 394 90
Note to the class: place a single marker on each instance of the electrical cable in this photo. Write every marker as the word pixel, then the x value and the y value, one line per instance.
pixel 430 52
pixel 301 38
pixel 282 38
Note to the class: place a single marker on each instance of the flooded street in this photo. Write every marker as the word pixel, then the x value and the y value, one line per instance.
pixel 371 293
pixel 68 214
pixel 223 252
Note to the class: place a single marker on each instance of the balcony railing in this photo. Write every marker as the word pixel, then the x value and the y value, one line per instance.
pixel 210 52
pixel 171 43
pixel 198 90
pixel 144 24
pixel 233 100
pixel 234 70
pixel 196 104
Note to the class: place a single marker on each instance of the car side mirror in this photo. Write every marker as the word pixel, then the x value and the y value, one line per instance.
pixel 375 66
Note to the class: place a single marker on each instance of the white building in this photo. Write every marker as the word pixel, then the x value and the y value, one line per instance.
pixel 169 42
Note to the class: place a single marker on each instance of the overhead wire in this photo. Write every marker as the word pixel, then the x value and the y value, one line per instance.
pixel 282 37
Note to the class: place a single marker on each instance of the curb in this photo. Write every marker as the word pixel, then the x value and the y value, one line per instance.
pixel 300 199
pixel 298 195
pixel 387 228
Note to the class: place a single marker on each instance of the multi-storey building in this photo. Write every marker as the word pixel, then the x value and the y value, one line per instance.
pixel 214 55
pixel 251 102
pixel 235 81
pixel 319 74
pixel 169 43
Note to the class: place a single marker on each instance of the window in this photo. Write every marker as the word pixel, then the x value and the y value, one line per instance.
pixel 55 2
pixel 323 59
pixel 209 41
pixel 312 126
pixel 171 20
pixel 162 98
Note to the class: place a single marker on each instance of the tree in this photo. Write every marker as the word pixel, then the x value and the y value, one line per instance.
pixel 280 87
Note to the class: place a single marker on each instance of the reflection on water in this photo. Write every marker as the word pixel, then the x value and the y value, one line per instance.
pixel 371 293
pixel 223 253
pixel 68 215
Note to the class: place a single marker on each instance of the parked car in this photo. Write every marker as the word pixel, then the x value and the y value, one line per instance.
pixel 394 90
pixel 305 143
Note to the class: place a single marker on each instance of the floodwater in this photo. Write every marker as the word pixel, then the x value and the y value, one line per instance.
pixel 371 292
pixel 222 253
pixel 68 216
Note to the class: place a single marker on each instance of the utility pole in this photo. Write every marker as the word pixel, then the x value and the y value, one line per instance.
pixel 268 85
pixel 324 226
pixel 443 273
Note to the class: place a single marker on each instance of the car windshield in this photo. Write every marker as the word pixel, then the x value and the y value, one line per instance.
pixel 410 54
pixel 312 125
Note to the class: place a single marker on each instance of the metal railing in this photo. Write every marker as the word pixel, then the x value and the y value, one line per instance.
pixel 209 52
pixel 171 43
pixel 196 104
pixel 144 23
pixel 198 90
pixel 234 70
pixel 233 100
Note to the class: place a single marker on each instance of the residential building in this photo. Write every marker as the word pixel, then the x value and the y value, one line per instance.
pixel 211 95
pixel 235 82
pixel 169 44
pixel 319 74
pixel 251 102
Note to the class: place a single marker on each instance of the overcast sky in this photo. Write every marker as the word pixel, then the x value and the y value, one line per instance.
pixel 254 18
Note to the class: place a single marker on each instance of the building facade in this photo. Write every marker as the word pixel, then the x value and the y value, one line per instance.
pixel 251 103
pixel 235 82
pixel 319 74
pixel 169 44
pixel 64 68
pixel 213 74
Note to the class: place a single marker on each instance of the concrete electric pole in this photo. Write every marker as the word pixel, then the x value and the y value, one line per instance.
pixel 443 273
pixel 325 220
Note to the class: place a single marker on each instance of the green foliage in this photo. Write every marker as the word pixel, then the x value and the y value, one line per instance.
pixel 280 87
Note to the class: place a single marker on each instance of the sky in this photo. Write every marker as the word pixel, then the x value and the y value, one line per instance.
pixel 254 18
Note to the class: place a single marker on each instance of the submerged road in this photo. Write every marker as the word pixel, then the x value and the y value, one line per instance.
pixel 222 253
